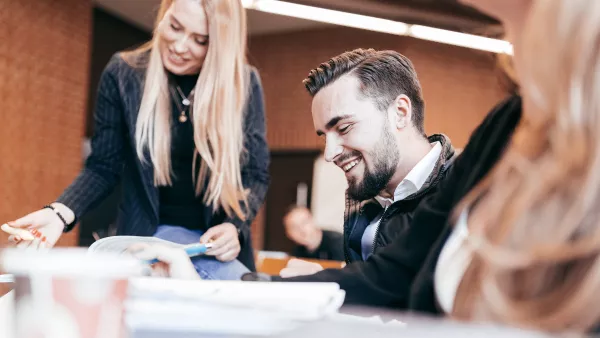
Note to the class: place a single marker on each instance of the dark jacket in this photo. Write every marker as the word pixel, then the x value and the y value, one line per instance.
pixel 331 248
pixel 397 217
pixel 401 274
pixel 114 159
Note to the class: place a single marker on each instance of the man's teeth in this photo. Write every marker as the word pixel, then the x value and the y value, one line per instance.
pixel 350 165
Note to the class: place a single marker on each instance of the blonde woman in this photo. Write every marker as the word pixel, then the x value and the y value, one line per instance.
pixel 180 121
pixel 526 247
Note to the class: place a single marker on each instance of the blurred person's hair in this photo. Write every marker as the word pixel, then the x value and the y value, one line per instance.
pixel 505 69
pixel 534 223
pixel 219 100
pixel 384 75
pixel 506 73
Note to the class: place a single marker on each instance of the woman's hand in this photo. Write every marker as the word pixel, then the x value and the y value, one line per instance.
pixel 225 240
pixel 172 262
pixel 45 226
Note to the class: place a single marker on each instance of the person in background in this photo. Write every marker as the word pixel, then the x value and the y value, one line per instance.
pixel 312 241
pixel 181 123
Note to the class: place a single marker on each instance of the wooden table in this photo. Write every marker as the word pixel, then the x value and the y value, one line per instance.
pixel 272 266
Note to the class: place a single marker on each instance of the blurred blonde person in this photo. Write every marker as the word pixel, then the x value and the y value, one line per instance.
pixel 526 246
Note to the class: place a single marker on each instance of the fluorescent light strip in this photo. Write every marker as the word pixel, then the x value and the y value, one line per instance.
pixel 331 16
pixel 379 25
pixel 460 39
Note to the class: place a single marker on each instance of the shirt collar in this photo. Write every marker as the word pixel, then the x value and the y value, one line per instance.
pixel 416 178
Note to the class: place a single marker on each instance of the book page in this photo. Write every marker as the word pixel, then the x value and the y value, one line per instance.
pixel 120 244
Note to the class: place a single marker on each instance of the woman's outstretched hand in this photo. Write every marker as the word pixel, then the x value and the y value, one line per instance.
pixel 44 225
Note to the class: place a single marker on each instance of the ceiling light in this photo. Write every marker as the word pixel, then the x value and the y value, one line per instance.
pixel 329 16
pixel 379 25
pixel 460 39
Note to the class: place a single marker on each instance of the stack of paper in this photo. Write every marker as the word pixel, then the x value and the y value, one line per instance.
pixel 228 307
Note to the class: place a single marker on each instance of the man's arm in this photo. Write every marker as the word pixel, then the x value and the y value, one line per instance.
pixel 386 278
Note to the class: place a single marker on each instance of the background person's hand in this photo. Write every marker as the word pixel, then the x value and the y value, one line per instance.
pixel 44 224
pixel 297 267
pixel 173 263
pixel 225 240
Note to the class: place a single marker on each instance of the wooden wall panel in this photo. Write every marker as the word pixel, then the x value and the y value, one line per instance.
pixel 460 85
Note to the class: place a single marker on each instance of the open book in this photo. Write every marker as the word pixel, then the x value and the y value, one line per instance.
pixel 120 244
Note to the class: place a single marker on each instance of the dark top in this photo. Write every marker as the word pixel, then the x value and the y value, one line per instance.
pixel 398 216
pixel 178 203
pixel 331 248
pixel 114 159
pixel 401 274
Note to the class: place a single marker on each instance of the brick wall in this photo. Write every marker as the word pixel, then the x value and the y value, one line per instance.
pixel 460 85
pixel 44 66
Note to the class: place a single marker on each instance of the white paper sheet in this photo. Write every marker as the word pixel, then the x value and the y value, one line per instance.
pixel 256 308
pixel 119 244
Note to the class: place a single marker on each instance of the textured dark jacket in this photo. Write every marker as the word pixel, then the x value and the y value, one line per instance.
pixel 401 274
pixel 114 159
pixel 398 216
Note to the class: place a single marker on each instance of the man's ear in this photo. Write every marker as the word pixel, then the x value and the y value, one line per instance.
pixel 401 111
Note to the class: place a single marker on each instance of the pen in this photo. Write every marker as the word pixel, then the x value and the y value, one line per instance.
pixel 191 250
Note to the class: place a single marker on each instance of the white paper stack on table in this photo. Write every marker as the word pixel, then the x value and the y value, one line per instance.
pixel 220 307
pixel 228 307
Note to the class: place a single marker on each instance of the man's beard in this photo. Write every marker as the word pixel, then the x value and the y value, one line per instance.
pixel 385 159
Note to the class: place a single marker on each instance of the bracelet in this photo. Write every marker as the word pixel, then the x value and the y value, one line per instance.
pixel 67 226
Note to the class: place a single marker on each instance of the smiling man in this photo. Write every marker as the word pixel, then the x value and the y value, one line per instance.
pixel 368 106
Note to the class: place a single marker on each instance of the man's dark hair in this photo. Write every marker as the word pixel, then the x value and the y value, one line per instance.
pixel 383 76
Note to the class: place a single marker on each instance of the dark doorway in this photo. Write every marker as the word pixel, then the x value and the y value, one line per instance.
pixel 288 169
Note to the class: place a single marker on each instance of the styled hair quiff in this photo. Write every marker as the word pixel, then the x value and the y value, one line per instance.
pixel 384 75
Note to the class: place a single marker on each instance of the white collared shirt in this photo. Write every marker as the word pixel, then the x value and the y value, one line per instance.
pixel 412 183
pixel 452 263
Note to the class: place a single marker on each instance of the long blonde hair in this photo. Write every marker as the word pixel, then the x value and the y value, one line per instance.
pixel 219 100
pixel 534 226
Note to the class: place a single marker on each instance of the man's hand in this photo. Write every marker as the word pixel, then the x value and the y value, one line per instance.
pixel 297 267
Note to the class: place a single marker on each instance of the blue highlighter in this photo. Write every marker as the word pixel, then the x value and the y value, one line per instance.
pixel 192 250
